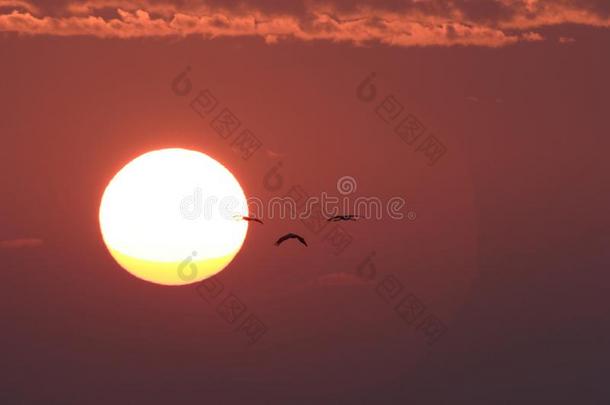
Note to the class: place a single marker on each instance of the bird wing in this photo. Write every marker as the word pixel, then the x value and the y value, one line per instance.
pixel 290 236
pixel 337 218
pixel 249 219
pixel 253 219
pixel 282 239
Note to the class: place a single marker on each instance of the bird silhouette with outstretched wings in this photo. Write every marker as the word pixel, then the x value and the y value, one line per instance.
pixel 348 217
pixel 249 219
pixel 290 236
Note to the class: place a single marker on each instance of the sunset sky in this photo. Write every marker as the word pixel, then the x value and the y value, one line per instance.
pixel 488 118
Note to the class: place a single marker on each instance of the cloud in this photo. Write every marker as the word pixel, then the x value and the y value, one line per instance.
pixel 566 40
pixel 274 155
pixel 532 36
pixel 408 23
pixel 18 5
pixel 20 243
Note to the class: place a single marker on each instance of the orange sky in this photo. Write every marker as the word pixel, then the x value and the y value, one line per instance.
pixel 509 247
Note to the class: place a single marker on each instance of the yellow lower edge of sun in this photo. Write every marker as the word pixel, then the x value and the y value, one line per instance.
pixel 172 273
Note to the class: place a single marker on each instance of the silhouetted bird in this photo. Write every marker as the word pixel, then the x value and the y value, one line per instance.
pixel 343 218
pixel 249 219
pixel 290 236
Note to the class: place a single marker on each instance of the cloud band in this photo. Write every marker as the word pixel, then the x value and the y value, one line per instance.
pixel 414 23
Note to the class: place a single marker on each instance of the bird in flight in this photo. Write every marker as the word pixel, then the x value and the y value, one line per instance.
pixel 290 236
pixel 348 217
pixel 249 219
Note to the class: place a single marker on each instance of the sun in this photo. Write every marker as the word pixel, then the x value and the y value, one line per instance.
pixel 173 216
